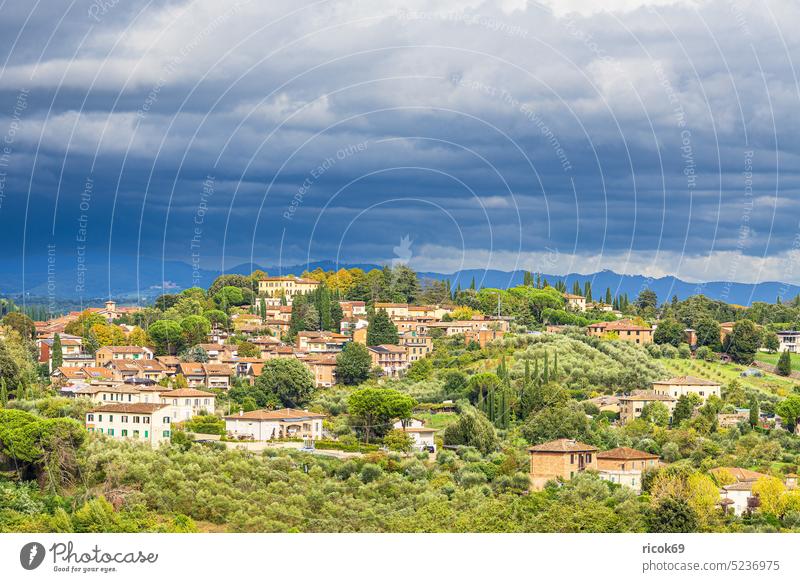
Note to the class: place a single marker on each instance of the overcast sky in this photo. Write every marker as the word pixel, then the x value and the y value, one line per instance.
pixel 652 137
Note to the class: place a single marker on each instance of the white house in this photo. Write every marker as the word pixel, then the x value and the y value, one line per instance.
pixel 188 402
pixel 422 435
pixel 685 385
pixel 740 495
pixel 149 423
pixel 264 425
pixel 789 341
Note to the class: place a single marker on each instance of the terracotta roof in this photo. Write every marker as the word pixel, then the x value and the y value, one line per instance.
pixel 740 486
pixel 387 348
pixel 126 349
pixel 186 392
pixel 420 429
pixel 647 395
pixel 740 474
pixel 562 446
pixel 133 408
pixel 282 414
pixel 625 454
pixel 687 381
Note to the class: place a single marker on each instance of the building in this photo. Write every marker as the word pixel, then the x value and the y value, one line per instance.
pixel 148 423
pixel 423 436
pixel 208 375
pixel 630 406
pixel 353 309
pixel 725 329
pixel 323 368
pixel 733 419
pixel 188 402
pixel 320 341
pixel 738 497
pixel 624 329
pixel 108 353
pixel 288 286
pixel 560 459
pixel 417 346
pixel 576 302
pixel 482 336
pixel 265 425
pixel 788 341
pixel 625 466
pixel 393 360
pixel 685 385
pixel 72 354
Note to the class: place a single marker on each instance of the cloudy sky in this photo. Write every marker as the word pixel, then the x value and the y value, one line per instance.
pixel 647 137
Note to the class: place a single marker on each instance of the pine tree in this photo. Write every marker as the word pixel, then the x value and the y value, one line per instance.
pixel 381 330
pixel 538 280
pixel 536 377
pixel 784 367
pixel 57 354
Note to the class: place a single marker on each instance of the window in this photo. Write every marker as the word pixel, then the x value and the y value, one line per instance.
pixel 166 420
pixel 146 434
pixel 124 419
pixel 124 432
pixel 111 432
pixel 572 458
pixel 91 429
pixel 175 402
pixel 99 418
pixel 146 419
pixel 165 434
pixel 110 418
pixel 588 457
pixel 136 434
pixel 135 420
pixel 90 418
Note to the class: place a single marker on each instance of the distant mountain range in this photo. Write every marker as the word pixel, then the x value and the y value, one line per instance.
pixel 130 283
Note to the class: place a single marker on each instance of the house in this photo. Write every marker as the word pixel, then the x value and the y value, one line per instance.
pixel 576 302
pixel 733 419
pixel 108 353
pixel 128 370
pixel 393 310
pixel 420 434
pixel 685 385
pixel 482 336
pixel 725 329
pixel 788 341
pixel 352 309
pixel 188 402
pixel 320 341
pixel 208 375
pixel 417 346
pixel 265 425
pixel 393 360
pixel 690 336
pixel 149 423
pixel 560 459
pixel 288 286
pixel 624 329
pixel 630 406
pixel 606 403
pixel 322 367
pixel 72 354
pixel 625 466
pixel 738 497
pixel 737 473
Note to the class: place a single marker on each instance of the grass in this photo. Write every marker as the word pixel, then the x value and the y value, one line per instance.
pixel 724 373
pixel 438 421
pixel 773 359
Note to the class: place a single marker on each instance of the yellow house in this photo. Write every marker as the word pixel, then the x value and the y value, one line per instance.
pixel 288 286
pixel 685 385
pixel 562 458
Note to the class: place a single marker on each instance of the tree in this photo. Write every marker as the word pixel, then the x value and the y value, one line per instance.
pixel 743 342
pixel 656 412
pixel 683 409
pixel 771 342
pixel 398 440
pixel 784 367
pixel 647 299
pixel 420 370
pixel 248 350
pixel 789 411
pixel 353 364
pixel 20 323
pixel 672 515
pixel 707 331
pixel 381 330
pixel 288 379
pixel 755 413
pixel 194 354
pixel 167 336
pixel 669 331
pixel 770 492
pixel 472 429
pixel 138 337
pixel 195 329
pixel 57 352
pixel 373 409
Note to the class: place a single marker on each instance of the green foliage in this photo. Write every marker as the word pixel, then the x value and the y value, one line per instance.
pixel 205 424
pixel 398 440
pixel 419 370
pixel 669 331
pixel 743 342
pixel 373 409
pixel 247 349
pixel 288 379
pixel 353 364
pixel 167 336
pixel 472 429
pixel 673 515
pixel 784 367
pixel 789 410
pixel 381 330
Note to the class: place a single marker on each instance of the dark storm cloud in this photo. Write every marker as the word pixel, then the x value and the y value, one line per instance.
pixel 656 138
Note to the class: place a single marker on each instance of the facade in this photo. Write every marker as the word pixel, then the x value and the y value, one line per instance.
pixel 393 360
pixel 288 286
pixel 738 497
pixel 482 336
pixel 625 466
pixel 576 302
pixel 188 402
pixel 789 341
pixel 560 459
pixel 685 385
pixel 423 436
pixel 208 375
pixel 630 406
pixel 109 353
pixel 265 425
pixel 625 330
pixel 417 346
pixel 147 423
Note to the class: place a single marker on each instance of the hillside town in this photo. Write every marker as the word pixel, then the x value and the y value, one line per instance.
pixel 353 366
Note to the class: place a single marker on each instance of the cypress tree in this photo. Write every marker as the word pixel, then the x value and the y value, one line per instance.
pixel 472 285
pixel 555 366
pixel 784 367
pixel 57 354
pixel 609 299
pixel 587 290
pixel 755 412
pixel 545 372
pixel 3 392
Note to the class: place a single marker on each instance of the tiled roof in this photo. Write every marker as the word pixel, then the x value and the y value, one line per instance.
pixel 133 408
pixel 645 395
pixel 282 414
pixel 187 392
pixel 562 446
pixel 687 381
pixel 626 454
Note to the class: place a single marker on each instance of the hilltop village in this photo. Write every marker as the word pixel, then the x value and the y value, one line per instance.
pixel 673 415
